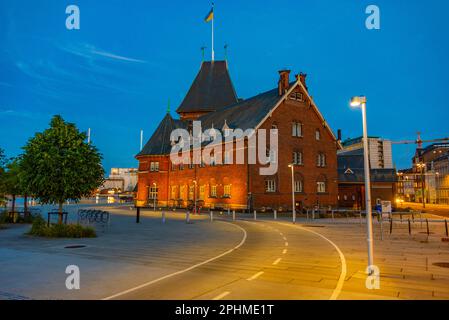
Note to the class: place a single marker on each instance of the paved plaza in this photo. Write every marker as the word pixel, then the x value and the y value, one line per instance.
pixel 226 259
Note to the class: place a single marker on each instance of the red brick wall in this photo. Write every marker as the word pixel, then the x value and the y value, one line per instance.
pixel 288 112
pixel 240 175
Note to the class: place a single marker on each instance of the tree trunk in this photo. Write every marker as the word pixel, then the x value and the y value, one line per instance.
pixel 25 205
pixel 13 209
pixel 60 213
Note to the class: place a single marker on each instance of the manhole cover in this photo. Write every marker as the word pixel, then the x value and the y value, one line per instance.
pixel 441 264
pixel 75 246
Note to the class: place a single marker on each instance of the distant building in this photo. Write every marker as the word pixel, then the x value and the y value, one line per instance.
pixel 351 181
pixel 441 169
pixel 120 180
pixel 380 153
pixel 426 177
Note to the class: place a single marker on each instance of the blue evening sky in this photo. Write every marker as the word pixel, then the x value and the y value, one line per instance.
pixel 117 72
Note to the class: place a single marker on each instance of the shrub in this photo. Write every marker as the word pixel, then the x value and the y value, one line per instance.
pixel 40 229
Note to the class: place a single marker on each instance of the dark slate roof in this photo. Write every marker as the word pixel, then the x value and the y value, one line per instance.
pixel 354 161
pixel 159 142
pixel 211 90
pixel 244 115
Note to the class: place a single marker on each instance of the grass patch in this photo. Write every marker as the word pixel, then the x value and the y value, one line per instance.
pixel 40 229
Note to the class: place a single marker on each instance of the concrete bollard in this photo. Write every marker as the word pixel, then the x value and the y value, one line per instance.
pixel 211 216
pixel 275 214
pixel 187 217
pixel 255 215
pixel 163 216
pixel 233 215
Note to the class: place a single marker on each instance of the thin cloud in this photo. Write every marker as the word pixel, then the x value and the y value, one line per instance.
pixel 117 57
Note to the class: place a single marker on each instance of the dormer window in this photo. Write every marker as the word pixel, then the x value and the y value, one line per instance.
pixel 297 96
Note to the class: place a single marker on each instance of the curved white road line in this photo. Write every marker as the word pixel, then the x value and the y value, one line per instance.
pixel 184 270
pixel 343 272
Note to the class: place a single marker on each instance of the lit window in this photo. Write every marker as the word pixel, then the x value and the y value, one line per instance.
pixel 191 192
pixel 202 192
pixel 153 192
pixel 173 192
pixel 227 190
pixel 213 191
pixel 297 129
pixel 270 186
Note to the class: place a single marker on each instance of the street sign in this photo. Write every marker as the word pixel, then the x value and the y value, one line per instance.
pixel 386 208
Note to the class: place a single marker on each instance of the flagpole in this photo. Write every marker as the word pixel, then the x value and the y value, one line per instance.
pixel 213 53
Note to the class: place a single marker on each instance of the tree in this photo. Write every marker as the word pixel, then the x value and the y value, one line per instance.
pixel 2 177
pixel 11 180
pixel 58 165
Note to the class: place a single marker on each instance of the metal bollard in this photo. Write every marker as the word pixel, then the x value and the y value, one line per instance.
pixel 409 227
pixel 233 215
pixel 187 217
pixel 275 214
pixel 427 225
pixel 211 216
pixel 229 212
pixel 255 215
pixel 332 212
pixel 381 227
pixel 445 224
pixel 400 215
pixel 138 215
pixel 391 225
pixel 163 216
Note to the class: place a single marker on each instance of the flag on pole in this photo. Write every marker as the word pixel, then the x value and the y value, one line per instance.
pixel 210 15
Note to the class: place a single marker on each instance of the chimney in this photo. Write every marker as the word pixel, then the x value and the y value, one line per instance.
pixel 302 77
pixel 284 81
pixel 339 135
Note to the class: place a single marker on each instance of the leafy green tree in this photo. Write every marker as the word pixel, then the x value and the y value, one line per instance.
pixel 59 165
pixel 11 180
pixel 2 177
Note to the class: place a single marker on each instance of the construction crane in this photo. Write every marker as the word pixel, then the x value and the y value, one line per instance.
pixel 419 142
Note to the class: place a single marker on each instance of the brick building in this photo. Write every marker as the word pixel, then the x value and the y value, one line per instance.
pixel 304 137
pixel 351 181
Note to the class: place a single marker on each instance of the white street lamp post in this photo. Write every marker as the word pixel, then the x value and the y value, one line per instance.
pixel 293 193
pixel 154 196
pixel 361 102
pixel 194 196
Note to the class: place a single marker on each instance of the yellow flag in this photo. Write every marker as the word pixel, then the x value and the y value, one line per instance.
pixel 210 15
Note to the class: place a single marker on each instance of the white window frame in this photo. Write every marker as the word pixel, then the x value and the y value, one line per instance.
pixel 213 191
pixel 321 186
pixel 299 186
pixel 296 129
pixel 227 190
pixel 270 185
pixel 297 157
pixel 154 166
pixel 317 134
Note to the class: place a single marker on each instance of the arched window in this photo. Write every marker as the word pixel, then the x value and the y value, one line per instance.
pixel 317 134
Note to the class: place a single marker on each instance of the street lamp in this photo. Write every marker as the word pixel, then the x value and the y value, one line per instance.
pixel 293 193
pixel 194 196
pixel 360 101
pixel 154 196
pixel 421 166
